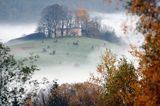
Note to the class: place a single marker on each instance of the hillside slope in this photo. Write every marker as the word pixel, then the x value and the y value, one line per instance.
pixel 71 50
pixel 63 58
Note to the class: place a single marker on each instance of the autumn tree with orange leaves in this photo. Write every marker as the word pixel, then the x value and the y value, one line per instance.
pixel 149 56
pixel 147 88
pixel 116 79
pixel 82 17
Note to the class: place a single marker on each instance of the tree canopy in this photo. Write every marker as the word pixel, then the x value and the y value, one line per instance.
pixel 13 76
pixel 149 66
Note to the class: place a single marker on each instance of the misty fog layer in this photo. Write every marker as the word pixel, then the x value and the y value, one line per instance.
pixel 112 16
pixel 28 11
pixel 71 73
pixel 12 31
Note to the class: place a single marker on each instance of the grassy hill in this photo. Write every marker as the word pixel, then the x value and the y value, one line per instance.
pixel 61 50
pixel 61 59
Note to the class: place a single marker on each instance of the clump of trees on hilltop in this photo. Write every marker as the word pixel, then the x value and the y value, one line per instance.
pixel 57 17
pixel 58 21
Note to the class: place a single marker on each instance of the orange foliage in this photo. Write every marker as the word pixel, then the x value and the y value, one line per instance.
pixel 84 94
pixel 118 81
pixel 149 66
pixel 28 102
pixel 82 15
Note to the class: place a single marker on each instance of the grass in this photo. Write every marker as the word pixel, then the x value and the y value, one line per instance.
pixel 65 51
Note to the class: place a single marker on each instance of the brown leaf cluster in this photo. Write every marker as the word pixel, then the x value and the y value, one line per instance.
pixel 149 92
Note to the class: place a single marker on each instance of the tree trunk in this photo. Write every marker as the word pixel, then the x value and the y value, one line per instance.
pixel 49 34
pixel 62 29
pixel 67 27
pixel 55 32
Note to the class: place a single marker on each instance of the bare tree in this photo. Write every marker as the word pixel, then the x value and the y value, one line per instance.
pixel 51 18
pixel 93 27
pixel 64 17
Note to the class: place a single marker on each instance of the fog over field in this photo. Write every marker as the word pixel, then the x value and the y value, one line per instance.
pixel 113 18
pixel 70 73
pixel 77 66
